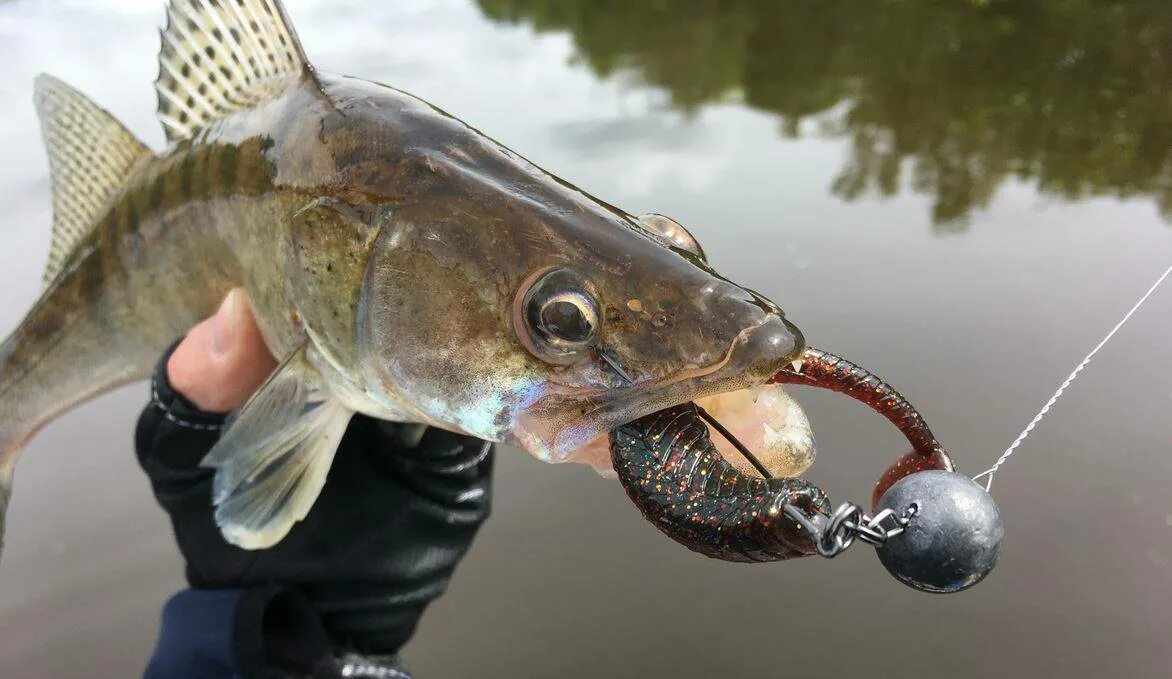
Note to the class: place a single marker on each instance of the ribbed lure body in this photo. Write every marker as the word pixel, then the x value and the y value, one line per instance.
pixel 675 476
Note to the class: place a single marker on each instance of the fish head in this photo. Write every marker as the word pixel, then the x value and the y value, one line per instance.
pixel 504 303
pixel 646 329
pixel 548 334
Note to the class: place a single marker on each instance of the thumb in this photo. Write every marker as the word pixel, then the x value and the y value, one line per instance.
pixel 223 360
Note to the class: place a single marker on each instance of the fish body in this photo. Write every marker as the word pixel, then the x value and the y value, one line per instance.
pixel 400 264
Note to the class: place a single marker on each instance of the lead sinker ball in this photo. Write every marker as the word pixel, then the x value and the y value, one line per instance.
pixel 954 537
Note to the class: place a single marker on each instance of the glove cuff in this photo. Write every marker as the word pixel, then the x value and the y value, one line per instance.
pixel 174 407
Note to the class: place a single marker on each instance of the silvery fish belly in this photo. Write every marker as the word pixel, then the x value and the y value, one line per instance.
pixel 400 264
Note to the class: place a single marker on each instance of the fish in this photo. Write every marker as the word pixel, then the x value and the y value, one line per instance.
pixel 400 264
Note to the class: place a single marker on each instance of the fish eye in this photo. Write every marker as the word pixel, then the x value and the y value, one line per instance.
pixel 567 317
pixel 673 232
pixel 560 317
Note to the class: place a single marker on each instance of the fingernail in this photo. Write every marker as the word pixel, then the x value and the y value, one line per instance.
pixel 224 325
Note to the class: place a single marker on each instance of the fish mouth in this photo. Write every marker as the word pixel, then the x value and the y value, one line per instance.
pixel 560 426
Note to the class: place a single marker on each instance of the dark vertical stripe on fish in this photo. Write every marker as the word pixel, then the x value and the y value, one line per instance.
pixel 200 176
pixel 158 193
pixel 186 170
pixel 227 172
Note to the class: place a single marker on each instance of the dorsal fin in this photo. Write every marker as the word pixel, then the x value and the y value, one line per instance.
pixel 90 156
pixel 221 56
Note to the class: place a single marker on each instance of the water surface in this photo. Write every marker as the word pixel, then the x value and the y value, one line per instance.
pixel 962 197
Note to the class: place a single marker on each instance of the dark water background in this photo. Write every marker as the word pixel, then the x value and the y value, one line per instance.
pixel 961 196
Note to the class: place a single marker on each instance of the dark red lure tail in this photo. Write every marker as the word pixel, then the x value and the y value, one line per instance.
pixel 825 370
pixel 673 473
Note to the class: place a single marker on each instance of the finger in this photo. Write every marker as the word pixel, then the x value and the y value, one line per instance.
pixel 223 360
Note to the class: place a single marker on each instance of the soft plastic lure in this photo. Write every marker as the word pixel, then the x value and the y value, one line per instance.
pixel 673 473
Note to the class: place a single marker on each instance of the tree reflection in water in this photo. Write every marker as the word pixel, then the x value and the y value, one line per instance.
pixel 953 98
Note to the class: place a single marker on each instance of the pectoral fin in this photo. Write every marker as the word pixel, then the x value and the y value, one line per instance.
pixel 272 462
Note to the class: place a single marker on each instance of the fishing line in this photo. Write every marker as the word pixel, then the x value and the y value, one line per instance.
pixel 720 428
pixel 992 471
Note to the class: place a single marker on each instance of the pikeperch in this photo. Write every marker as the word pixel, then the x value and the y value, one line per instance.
pixel 399 262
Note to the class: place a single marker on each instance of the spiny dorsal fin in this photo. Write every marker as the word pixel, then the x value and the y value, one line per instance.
pixel 90 157
pixel 221 56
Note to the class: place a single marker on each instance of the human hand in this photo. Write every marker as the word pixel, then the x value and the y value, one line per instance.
pixel 397 513
pixel 223 359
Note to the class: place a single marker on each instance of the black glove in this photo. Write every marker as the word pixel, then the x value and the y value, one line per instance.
pixel 382 540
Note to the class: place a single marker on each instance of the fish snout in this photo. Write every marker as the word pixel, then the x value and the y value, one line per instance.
pixel 767 348
pixel 762 339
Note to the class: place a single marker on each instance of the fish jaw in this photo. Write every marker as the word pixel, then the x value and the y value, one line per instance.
pixel 769 422
pixel 566 427
pixel 765 418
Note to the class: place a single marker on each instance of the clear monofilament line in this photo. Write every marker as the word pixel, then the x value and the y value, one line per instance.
pixel 991 471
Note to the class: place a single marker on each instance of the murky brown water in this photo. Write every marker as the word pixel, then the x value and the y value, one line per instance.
pixel 963 198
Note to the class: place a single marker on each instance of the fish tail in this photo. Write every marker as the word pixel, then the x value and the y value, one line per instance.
pixel 11 443
pixel 15 430
pixel 9 449
pixel 66 351
pixel 60 356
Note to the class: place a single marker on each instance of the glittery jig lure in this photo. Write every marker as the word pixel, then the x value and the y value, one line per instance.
pixel 672 471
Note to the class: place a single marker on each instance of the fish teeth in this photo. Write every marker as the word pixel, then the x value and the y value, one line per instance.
pixel 797 364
